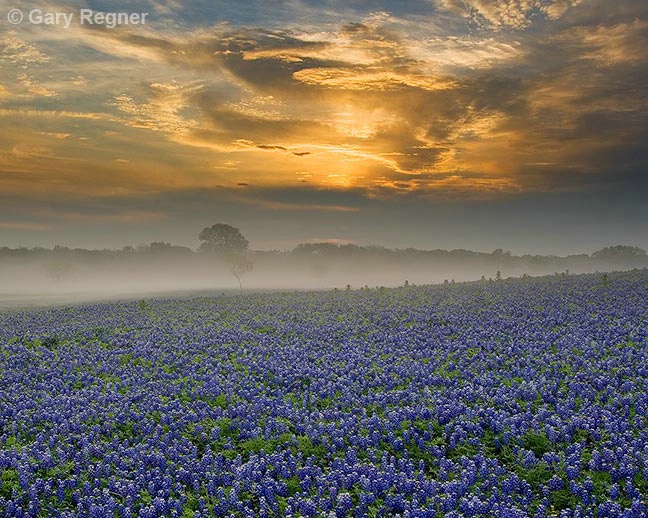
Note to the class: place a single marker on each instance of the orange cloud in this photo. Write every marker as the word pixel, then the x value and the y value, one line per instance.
pixel 363 105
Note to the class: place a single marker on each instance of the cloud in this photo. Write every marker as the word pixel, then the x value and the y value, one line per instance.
pixel 265 146
pixel 52 114
pixel 260 59
pixel 369 79
pixel 23 225
pixel 133 216
pixel 301 207
pixel 619 44
pixel 488 97
pixel 19 52
pixel 20 58
pixel 508 14
pixel 162 111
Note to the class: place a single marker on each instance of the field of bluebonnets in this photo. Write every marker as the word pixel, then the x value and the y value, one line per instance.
pixel 524 397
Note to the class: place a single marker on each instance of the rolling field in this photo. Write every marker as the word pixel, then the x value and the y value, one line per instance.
pixel 522 397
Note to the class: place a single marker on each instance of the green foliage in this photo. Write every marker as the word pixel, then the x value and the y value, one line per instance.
pixel 293 485
pixel 324 403
pixel 537 475
pixel 566 369
pixel 8 482
pixel 306 446
pixel 537 442
pixel 219 401
pixel 563 499
pixel 472 351
pixel 256 445
pixel 50 342
pixel 12 442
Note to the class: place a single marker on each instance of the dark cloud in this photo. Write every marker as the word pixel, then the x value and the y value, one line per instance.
pixel 265 146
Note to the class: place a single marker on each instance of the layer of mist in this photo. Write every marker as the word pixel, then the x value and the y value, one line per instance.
pixel 62 275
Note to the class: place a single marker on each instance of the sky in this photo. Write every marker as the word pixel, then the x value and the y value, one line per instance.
pixel 513 124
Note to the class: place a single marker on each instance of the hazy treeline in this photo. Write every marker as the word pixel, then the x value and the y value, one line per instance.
pixel 481 263
pixel 159 267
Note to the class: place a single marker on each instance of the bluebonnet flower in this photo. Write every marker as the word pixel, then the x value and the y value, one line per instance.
pixel 458 411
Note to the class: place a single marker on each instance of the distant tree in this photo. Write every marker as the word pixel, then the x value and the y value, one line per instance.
pixel 222 238
pixel 238 265
pixel 160 248
pixel 227 243
pixel 498 276
pixel 620 252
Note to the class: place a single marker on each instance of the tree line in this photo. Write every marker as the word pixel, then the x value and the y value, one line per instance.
pixel 226 249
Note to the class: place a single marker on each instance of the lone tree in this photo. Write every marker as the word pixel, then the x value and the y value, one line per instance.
pixel 238 264
pixel 227 242
pixel 222 239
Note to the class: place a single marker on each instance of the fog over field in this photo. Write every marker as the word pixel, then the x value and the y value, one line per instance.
pixel 428 127
pixel 61 275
